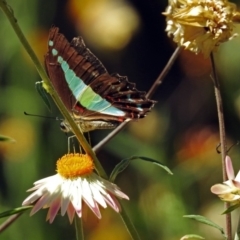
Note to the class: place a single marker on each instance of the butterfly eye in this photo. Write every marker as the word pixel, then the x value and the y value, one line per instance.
pixel 64 127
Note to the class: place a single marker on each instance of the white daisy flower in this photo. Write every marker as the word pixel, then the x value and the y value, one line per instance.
pixel 74 184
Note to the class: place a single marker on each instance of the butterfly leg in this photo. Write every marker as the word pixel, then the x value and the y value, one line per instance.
pixel 71 142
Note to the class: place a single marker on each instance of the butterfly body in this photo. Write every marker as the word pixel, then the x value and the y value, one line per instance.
pixel 95 98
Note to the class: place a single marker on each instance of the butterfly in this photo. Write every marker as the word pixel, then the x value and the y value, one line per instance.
pixel 95 98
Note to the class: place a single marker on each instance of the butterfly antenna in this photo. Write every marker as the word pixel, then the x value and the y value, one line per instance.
pixel 36 115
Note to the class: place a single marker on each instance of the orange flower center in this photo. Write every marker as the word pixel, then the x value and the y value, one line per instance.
pixel 74 165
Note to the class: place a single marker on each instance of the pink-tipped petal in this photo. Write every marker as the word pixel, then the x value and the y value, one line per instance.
pixel 76 199
pixel 53 209
pixel 113 202
pixel 229 168
pixel 39 205
pixel 66 193
pixel 88 197
pixel 120 194
pixel 34 196
pixel 220 189
pixel 98 196
pixel 112 188
pixel 95 209
pixel 117 203
pixel 70 212
pixel 64 205
pixel 86 193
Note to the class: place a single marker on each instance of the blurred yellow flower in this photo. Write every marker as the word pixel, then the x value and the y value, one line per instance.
pixel 105 24
pixel 201 25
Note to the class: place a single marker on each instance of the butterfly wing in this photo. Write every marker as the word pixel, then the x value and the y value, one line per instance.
pixel 85 86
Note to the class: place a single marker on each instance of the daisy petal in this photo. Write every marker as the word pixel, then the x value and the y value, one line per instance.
pixel 53 209
pixel 70 212
pixel 68 192
pixel 112 202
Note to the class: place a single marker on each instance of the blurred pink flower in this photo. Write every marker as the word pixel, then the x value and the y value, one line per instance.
pixel 229 191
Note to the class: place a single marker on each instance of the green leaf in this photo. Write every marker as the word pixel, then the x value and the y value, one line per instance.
pixel 14 211
pixel 231 208
pixel 192 237
pixel 125 162
pixel 6 139
pixel 43 94
pixel 154 162
pixel 206 221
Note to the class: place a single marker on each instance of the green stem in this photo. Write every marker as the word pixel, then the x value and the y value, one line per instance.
pixel 223 143
pixel 9 13
pixel 129 225
pixel 79 228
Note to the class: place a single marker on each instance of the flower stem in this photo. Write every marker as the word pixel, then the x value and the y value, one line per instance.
pixel 222 134
pixel 164 72
pixel 129 225
pixel 79 228
pixel 237 234
pixel 79 135
pixel 9 221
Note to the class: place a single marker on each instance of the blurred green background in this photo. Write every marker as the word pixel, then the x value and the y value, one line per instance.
pixel 181 131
